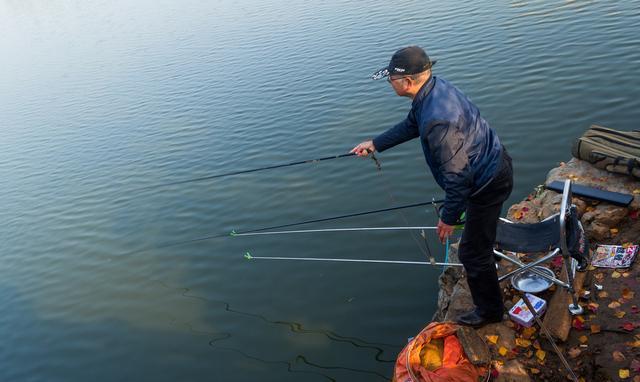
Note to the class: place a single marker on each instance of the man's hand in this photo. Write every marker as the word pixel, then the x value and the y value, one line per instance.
pixel 364 149
pixel 444 231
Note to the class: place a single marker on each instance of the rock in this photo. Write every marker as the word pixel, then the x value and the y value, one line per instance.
pixel 597 232
pixel 512 371
pixel 609 216
pixel 460 301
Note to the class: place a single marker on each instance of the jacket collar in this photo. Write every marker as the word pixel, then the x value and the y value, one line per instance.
pixel 424 90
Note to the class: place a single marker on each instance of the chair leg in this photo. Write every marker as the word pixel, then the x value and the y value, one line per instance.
pixel 549 337
pixel 574 307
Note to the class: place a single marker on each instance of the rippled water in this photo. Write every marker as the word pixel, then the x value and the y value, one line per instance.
pixel 101 99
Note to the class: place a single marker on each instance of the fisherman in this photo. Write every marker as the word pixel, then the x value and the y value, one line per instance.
pixel 466 159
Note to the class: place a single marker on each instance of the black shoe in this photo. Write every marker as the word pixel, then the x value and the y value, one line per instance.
pixel 475 320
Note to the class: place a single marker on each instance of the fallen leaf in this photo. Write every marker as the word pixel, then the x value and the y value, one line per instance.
pixel 635 309
pixel 595 329
pixel 628 294
pixel 593 306
pixel 521 342
pixel 533 370
pixel 536 344
pixel 620 313
pixel 494 373
pixel 635 365
pixel 540 354
pixel 636 191
pixel 503 351
pixel 628 326
pixel 583 339
pixel 493 339
pixel 633 214
pixel 599 276
pixel 614 305
pixel 618 356
pixel 527 333
pixel 636 378
pixel 574 352
pixel 626 274
pixel 578 323
pixel 616 275
pixel 603 294
pixel 623 373
pixel 634 344
pixel 614 231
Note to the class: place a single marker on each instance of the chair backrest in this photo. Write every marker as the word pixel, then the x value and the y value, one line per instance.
pixel 544 236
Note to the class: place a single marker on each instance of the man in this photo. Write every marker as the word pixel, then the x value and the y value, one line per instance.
pixel 466 159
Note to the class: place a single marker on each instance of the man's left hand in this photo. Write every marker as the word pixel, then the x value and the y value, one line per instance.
pixel 444 231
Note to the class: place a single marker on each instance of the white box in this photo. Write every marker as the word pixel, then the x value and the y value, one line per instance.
pixel 521 314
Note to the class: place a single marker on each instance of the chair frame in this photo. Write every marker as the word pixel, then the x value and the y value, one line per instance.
pixel 569 263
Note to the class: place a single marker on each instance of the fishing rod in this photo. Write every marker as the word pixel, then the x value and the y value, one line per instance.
pixel 248 256
pixel 249 170
pixel 352 229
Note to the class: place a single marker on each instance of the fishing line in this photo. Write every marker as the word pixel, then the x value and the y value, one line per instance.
pixel 238 233
pixel 232 173
pixel 387 186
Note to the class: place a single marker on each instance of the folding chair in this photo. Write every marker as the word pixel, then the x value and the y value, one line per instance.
pixel 560 233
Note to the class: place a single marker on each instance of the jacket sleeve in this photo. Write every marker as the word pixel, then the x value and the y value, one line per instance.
pixel 400 133
pixel 448 151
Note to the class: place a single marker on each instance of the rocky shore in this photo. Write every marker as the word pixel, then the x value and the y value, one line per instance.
pixel 603 344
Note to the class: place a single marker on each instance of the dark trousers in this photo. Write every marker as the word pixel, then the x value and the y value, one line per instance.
pixel 476 246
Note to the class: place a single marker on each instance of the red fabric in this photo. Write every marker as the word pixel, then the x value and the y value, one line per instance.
pixel 455 365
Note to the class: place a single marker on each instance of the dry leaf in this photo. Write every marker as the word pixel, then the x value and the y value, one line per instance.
pixel 493 339
pixel 578 323
pixel 620 313
pixel 634 344
pixel 618 356
pixel 626 274
pixel 628 294
pixel 635 365
pixel 583 339
pixel 595 328
pixel 634 309
pixel 593 306
pixel 614 231
pixel 636 191
pixel 623 373
pixel 540 354
pixel 628 326
pixel 574 352
pixel 503 351
pixel 616 275
pixel 603 294
pixel 521 342
pixel 614 305
pixel 599 276
pixel 527 333
pixel 533 370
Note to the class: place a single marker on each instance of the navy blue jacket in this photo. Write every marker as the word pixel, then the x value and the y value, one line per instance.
pixel 461 149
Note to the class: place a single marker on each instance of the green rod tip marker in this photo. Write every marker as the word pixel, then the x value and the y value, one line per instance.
pixel 248 256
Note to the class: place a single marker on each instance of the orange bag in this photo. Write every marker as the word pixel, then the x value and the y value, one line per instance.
pixel 421 361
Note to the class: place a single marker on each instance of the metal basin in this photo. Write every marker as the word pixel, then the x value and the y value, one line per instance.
pixel 531 282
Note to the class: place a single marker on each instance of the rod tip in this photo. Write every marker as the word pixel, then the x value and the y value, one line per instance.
pixel 232 233
pixel 248 256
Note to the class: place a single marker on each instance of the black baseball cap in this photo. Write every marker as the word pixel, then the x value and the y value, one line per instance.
pixel 406 61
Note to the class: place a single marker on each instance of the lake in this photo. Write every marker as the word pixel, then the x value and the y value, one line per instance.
pixel 102 101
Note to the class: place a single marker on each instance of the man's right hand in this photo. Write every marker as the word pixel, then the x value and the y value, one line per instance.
pixel 363 149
